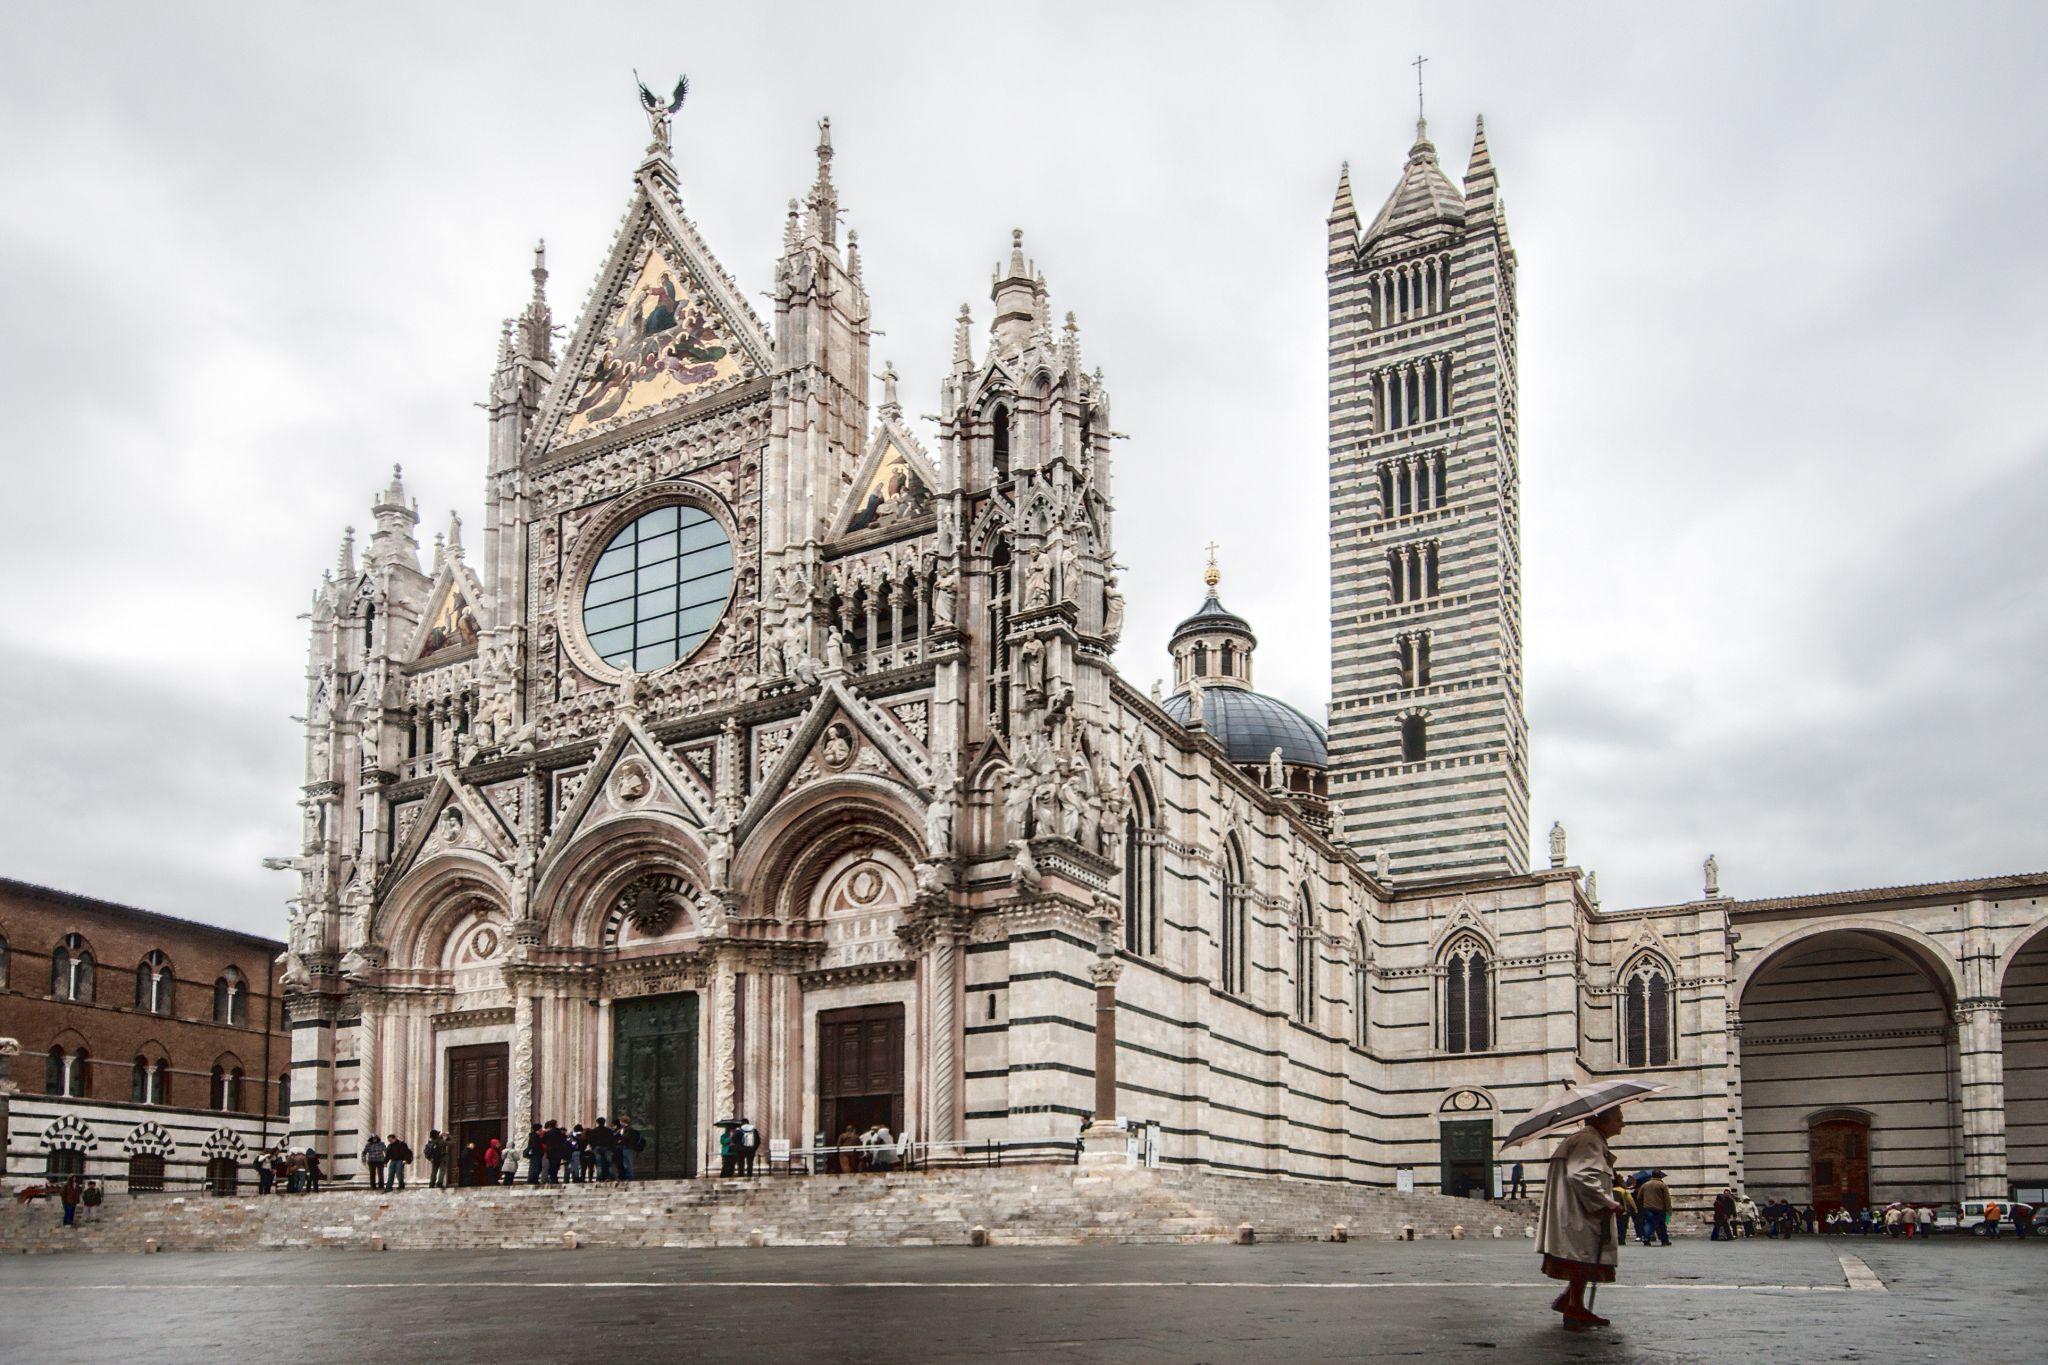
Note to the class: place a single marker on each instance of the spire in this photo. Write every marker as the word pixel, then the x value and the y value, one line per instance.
pixel 824 200
pixel 1212 575
pixel 1424 201
pixel 1017 296
pixel 890 407
pixel 963 347
pixel 793 228
pixel 392 542
pixel 1343 206
pixel 1070 346
pixel 1480 183
pixel 853 255
pixel 1421 123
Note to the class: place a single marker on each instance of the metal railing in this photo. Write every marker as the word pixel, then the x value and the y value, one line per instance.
pixel 863 1158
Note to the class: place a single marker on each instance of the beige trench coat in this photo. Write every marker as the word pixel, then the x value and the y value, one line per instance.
pixel 1577 1195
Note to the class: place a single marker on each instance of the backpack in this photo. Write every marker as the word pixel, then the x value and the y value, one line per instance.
pixel 434 1150
pixel 639 1143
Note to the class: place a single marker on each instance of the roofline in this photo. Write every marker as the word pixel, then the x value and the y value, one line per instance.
pixel 36 891
pixel 1820 900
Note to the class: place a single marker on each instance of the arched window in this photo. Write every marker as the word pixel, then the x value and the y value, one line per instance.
pixel 227 1085
pixel 369 625
pixel 81 1074
pixel 139 1077
pixel 71 970
pixel 1305 959
pixel 228 989
pixel 1361 990
pixel 57 1073
pixel 1467 997
pixel 1201 660
pixel 1001 444
pixel 1646 1022
pixel 1414 739
pixel 1141 885
pixel 1236 950
pixel 153 984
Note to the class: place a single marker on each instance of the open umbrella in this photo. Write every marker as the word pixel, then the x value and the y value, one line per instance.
pixel 1576 1103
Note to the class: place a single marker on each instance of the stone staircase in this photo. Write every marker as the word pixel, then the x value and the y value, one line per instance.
pixel 1018 1205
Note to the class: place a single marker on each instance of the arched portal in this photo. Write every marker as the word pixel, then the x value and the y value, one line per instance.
pixel 1849 1089
pixel 2023 991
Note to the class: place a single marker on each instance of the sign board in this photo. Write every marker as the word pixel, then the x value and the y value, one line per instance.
pixel 778 1150
pixel 1404 1179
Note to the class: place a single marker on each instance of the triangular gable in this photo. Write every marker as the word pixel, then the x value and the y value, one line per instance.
pixel 893 488
pixel 449 623
pixel 885 751
pixel 666 326
pixel 631 774
pixel 478 828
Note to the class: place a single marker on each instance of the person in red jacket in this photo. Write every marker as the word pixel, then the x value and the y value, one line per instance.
pixel 494 1161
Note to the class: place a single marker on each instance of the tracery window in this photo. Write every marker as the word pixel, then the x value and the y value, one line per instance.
pixel 67 1073
pixel 227 1085
pixel 1305 960
pixel 153 984
pixel 71 970
pixel 1141 883
pixel 1361 990
pixel 1467 996
pixel 1646 1014
pixel 1236 950
pixel 228 991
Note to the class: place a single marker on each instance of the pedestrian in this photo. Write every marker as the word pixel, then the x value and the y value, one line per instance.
pixel 1891 1221
pixel 535 1152
pixel 312 1171
pixel 494 1161
pixel 263 1173
pixel 727 1157
pixel 280 1171
pixel 508 1169
pixel 1654 1198
pixel 1724 1217
pixel 747 1138
pixel 631 1144
pixel 1571 1230
pixel 399 1153
pixel 2022 1220
pixel 1992 1213
pixel 374 1157
pixel 1809 1219
pixel 69 1195
pixel 1517 1188
pixel 91 1199
pixel 579 1152
pixel 556 1143
pixel 1746 1214
pixel 603 1142
pixel 882 1155
pixel 846 1150
pixel 436 1153
pixel 1625 1216
pixel 468 1165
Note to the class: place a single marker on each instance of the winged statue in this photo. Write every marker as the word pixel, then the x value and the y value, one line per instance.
pixel 658 113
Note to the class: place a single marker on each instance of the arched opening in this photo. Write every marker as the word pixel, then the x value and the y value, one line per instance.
pixel 71 970
pixel 1000 444
pixel 1414 739
pixel 2024 993
pixel 1850 1023
pixel 1647 1015
pixel 1304 959
pixel 1231 935
pixel 146 1173
pixel 223 1175
pixel 1361 991
pixel 229 988
pixel 1141 876
pixel 1467 996
pixel 153 984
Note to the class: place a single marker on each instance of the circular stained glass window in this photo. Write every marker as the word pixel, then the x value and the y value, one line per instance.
pixel 658 588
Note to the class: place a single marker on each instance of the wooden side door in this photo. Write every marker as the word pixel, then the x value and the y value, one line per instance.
pixel 1839 1154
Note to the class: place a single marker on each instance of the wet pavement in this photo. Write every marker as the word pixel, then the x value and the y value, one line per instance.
pixel 1759 1300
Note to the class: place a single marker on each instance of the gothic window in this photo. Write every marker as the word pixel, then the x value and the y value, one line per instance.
pixel 162 1080
pixel 153 984
pixel 1414 739
pixel 227 1085
pixel 369 625
pixel 229 988
pixel 1305 959
pixel 1361 990
pixel 1001 444
pixel 71 970
pixel 67 1073
pixel 659 588
pixel 1467 997
pixel 1141 886
pixel 998 632
pixel 1646 1022
pixel 139 1077
pixel 1232 937
pixel 1201 661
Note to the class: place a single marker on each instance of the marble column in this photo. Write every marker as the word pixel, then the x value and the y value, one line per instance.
pixel 349 1146
pixel 519 1098
pixel 943 1043
pixel 1733 1071
pixel 1980 1055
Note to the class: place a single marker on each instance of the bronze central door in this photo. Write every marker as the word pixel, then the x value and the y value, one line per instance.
pixel 860 1069
pixel 654 1080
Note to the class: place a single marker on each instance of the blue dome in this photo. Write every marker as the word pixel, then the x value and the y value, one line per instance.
pixel 1252 725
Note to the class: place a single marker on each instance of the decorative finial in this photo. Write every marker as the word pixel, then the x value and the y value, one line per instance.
pixel 1212 575
pixel 658 113
pixel 1421 124
pixel 540 266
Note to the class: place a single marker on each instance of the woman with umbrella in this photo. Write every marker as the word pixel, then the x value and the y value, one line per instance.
pixel 1574 1232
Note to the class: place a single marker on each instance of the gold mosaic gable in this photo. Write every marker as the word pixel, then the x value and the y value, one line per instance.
pixel 666 341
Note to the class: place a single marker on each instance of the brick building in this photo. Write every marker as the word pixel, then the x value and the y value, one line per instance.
pixel 149 1045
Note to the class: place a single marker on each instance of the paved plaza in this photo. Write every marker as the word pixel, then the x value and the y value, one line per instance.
pixel 1810 1299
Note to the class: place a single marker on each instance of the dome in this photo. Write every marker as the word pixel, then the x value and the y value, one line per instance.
pixel 1211 615
pixel 1251 725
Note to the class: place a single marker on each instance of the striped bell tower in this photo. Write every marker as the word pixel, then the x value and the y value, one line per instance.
pixel 1429 758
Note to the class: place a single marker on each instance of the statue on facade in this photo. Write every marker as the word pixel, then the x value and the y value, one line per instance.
pixel 1593 889
pixel 835 652
pixel 1031 667
pixel 1112 612
pixel 659 113
pixel 938 824
pixel 1276 770
pixel 1712 867
pixel 946 598
pixel 1027 866
pixel 718 845
pixel 1195 690
pixel 1038 581
pixel 1557 843
pixel 1382 865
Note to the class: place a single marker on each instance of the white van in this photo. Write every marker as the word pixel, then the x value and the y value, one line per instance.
pixel 1972 1219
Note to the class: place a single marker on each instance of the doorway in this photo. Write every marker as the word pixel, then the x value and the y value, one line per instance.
pixel 477 1087
pixel 1838 1152
pixel 654 1080
pixel 860 1069
pixel 1466 1148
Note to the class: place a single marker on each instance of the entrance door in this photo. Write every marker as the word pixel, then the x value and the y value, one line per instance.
pixel 476 1099
pixel 860 1069
pixel 654 1080
pixel 223 1175
pixel 1467 1153
pixel 1839 1150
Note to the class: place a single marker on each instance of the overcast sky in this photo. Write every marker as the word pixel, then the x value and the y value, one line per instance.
pixel 1784 465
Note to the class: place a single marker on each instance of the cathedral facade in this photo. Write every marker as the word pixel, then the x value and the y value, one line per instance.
pixel 770 761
